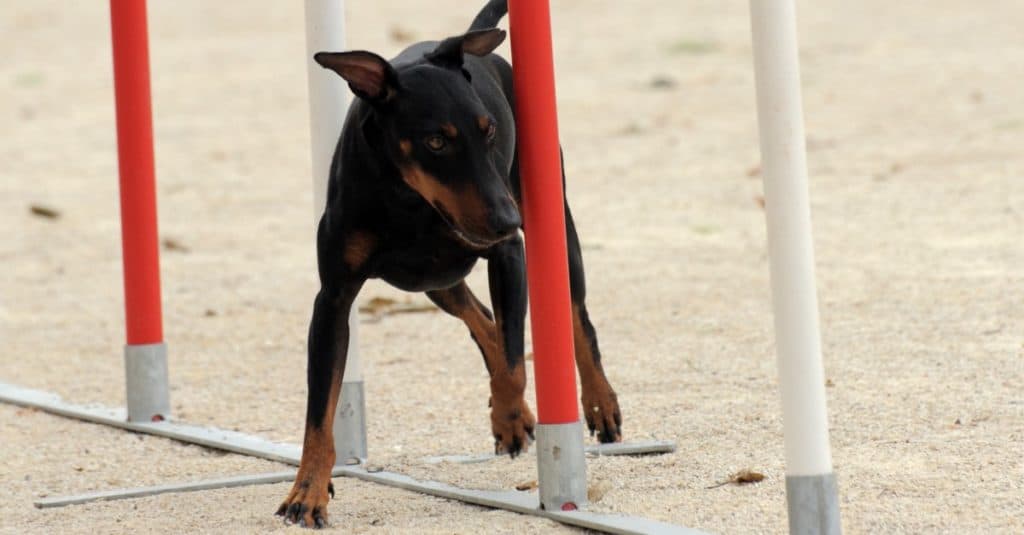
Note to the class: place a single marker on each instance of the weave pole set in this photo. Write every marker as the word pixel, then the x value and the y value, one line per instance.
pixel 812 495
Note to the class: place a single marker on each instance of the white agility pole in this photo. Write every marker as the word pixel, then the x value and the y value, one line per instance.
pixel 328 99
pixel 811 491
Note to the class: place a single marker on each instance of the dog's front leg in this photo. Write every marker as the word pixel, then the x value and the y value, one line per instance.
pixel 306 504
pixel 511 420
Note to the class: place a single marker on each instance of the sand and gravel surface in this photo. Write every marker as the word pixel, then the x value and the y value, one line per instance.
pixel 915 122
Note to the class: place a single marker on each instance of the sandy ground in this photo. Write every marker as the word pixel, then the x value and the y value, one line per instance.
pixel 915 125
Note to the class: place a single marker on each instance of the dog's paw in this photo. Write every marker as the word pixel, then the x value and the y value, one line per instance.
pixel 306 504
pixel 512 425
pixel 601 410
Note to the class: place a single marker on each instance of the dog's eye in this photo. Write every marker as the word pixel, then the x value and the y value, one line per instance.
pixel 492 131
pixel 436 143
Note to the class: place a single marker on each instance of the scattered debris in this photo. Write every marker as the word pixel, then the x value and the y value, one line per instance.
pixel 529 485
pixel 374 468
pixel 703 230
pixel 171 244
pixel 759 200
pixel 44 211
pixel 829 383
pixel 754 171
pixel 401 35
pixel 597 490
pixel 690 46
pixel 742 477
pixel 663 82
pixel 29 79
pixel 631 129
pixel 378 307
pixel 209 313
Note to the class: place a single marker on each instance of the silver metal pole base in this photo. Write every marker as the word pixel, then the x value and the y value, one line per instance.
pixel 813 504
pixel 350 425
pixel 561 467
pixel 145 368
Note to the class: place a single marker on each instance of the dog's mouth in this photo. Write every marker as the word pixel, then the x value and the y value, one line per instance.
pixel 467 239
pixel 473 242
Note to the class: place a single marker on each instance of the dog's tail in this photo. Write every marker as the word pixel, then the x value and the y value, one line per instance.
pixel 490 15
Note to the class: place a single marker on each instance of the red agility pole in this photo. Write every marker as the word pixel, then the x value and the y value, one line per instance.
pixel 562 470
pixel 547 264
pixel 135 157
pixel 145 356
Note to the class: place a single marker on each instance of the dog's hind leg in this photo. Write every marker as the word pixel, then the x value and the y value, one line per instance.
pixel 500 339
pixel 600 405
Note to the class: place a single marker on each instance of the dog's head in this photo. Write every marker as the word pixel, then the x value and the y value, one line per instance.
pixel 432 123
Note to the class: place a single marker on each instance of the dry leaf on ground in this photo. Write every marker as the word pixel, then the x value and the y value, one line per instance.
pixel 742 477
pixel 378 307
pixel 529 485
pixel 43 211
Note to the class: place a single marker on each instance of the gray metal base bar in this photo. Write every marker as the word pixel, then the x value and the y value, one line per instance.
pixel 146 387
pixel 515 501
pixel 350 424
pixel 193 486
pixel 193 434
pixel 645 447
pixel 561 467
pixel 813 504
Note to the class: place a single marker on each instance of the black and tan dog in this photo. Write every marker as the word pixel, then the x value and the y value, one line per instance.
pixel 424 182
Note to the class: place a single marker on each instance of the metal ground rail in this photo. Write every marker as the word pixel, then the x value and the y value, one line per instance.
pixel 511 500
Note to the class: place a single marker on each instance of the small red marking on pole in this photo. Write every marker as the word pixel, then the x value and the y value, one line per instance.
pixel 141 256
pixel 543 211
pixel 569 506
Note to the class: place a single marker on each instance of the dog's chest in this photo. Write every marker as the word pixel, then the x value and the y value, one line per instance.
pixel 421 263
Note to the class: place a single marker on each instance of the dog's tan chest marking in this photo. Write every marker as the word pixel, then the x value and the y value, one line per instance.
pixel 358 247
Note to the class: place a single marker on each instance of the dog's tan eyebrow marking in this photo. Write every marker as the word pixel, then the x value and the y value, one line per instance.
pixel 450 130
pixel 405 146
pixel 484 122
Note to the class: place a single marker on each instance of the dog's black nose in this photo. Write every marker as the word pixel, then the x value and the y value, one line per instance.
pixel 505 219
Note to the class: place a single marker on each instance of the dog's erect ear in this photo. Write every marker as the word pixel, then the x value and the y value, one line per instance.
pixel 477 42
pixel 370 76
pixel 482 42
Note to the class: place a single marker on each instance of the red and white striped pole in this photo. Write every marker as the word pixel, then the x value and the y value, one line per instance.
pixel 560 461
pixel 145 351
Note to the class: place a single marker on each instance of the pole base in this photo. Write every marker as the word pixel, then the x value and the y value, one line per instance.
pixel 350 425
pixel 148 394
pixel 561 467
pixel 813 504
